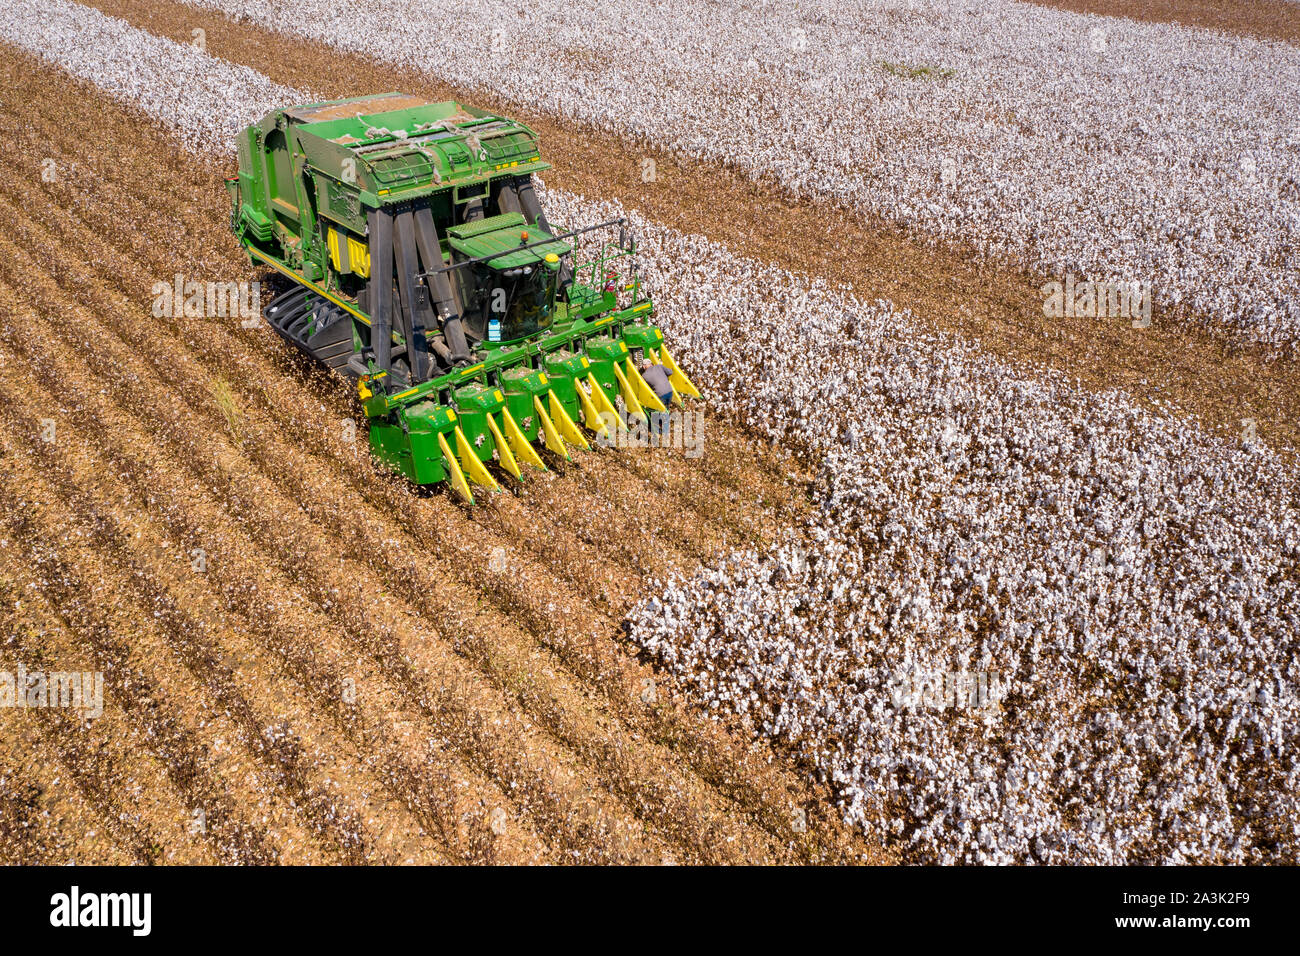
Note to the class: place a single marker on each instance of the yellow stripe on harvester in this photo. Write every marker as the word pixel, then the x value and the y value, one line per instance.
pixel 549 431
pixel 309 284
pixel 564 424
pixel 469 461
pixel 504 455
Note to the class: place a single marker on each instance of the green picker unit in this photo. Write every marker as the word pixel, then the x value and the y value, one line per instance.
pixel 424 268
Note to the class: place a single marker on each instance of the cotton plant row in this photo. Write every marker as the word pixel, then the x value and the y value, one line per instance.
pixel 1024 623
pixel 1100 147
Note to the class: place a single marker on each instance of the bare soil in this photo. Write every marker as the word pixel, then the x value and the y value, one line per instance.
pixel 1265 19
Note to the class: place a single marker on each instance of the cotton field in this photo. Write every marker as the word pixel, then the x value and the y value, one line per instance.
pixel 913 604
pixel 1132 586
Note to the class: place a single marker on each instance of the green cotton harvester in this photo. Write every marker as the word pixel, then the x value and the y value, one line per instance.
pixel 423 268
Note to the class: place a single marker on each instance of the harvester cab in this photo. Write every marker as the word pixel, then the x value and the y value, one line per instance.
pixel 508 276
pixel 421 265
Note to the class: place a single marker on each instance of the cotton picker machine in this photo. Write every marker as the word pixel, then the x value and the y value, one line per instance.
pixel 423 268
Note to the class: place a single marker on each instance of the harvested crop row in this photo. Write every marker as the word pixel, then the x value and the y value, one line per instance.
pixel 45 817
pixel 250 601
pixel 267 414
pixel 90 816
pixel 262 630
pixel 416 582
pixel 1107 148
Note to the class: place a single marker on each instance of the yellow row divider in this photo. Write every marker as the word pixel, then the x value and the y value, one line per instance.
pixel 645 393
pixel 453 468
pixel 571 432
pixel 503 450
pixel 478 473
pixel 518 442
pixel 602 402
pixel 629 397
pixel 590 417
pixel 553 440
pixel 677 376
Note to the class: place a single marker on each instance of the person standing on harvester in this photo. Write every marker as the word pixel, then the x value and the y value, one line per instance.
pixel 656 376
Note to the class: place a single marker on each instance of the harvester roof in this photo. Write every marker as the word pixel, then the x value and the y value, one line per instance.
pixel 401 143
pixel 369 119
pixel 508 239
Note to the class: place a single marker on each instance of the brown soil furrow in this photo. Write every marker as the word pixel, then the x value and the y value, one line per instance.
pixel 45 819
pixel 271 737
pixel 144 816
pixel 90 609
pixel 436 808
pixel 478 716
pixel 1277 20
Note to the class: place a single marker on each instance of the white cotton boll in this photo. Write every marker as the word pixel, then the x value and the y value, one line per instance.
pixel 1071 548
pixel 209 99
